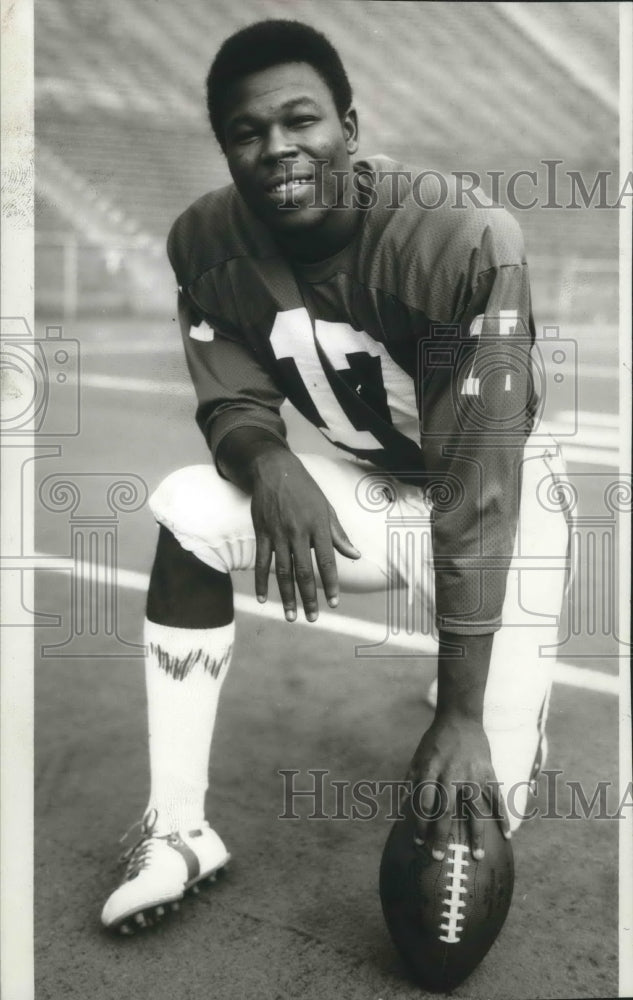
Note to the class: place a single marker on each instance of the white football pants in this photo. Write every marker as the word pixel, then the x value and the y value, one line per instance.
pixel 390 523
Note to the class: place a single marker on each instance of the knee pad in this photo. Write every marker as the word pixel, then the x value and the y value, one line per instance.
pixel 208 516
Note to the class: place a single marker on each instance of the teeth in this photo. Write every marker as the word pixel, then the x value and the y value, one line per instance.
pixel 280 188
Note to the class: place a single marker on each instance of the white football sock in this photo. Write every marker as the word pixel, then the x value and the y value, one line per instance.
pixel 184 672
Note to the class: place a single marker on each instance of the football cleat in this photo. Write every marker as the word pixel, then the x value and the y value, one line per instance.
pixel 158 872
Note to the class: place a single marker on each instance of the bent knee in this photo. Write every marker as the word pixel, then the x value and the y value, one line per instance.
pixel 208 515
pixel 184 490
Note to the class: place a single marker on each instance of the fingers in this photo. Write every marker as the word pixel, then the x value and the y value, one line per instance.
pixel 472 807
pixel 429 803
pixel 285 580
pixel 423 800
pixel 477 837
pixel 293 563
pixel 340 540
pixel 289 565
pixel 443 806
pixel 326 562
pixel 466 800
pixel 483 804
pixel 304 575
pixel 437 804
pixel 263 558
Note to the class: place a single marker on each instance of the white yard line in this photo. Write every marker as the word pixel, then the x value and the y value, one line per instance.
pixel 593 417
pixel 126 383
pixel 608 457
pixel 584 433
pixel 369 633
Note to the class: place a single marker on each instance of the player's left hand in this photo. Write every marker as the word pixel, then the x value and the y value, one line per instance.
pixel 453 761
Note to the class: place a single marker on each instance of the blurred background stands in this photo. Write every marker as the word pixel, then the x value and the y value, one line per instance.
pixel 123 144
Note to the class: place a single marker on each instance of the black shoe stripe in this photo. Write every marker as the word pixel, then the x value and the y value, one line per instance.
pixel 190 857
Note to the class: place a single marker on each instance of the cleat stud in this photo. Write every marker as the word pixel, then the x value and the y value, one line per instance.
pixel 160 910
pixel 195 890
pixel 213 878
pixel 126 930
pixel 140 919
pixel 175 906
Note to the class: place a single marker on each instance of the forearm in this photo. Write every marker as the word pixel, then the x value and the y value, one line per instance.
pixel 463 663
pixel 239 452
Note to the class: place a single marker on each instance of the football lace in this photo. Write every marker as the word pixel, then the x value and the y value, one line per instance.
pixel 456 888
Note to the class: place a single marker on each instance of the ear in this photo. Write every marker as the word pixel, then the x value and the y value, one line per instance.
pixel 350 130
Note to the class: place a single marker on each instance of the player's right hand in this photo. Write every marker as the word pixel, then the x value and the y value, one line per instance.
pixel 454 755
pixel 291 516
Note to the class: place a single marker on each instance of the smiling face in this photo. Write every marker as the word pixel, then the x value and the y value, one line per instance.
pixel 278 123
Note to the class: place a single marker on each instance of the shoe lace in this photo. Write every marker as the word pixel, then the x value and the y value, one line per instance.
pixel 135 857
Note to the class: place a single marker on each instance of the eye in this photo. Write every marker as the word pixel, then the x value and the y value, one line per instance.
pixel 302 121
pixel 243 133
pixel 242 138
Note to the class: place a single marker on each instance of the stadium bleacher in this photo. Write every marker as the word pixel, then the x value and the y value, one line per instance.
pixel 123 144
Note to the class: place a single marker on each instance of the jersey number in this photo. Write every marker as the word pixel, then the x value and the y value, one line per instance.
pixel 292 337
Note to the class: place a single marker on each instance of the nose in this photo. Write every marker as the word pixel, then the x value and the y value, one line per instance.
pixel 278 145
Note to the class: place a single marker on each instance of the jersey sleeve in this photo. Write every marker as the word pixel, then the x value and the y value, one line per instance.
pixel 477 407
pixel 232 388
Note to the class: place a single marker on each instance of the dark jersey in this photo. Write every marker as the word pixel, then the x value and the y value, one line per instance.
pixel 409 348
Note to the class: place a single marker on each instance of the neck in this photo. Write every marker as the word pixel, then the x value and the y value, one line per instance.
pixel 334 233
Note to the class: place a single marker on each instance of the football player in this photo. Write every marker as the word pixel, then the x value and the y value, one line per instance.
pixel 401 327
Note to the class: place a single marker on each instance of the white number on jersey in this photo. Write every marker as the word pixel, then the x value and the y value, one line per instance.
pixel 292 336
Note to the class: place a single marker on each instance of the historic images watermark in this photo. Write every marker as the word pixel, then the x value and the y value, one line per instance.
pixel 41 408
pixel 547 186
pixel 320 796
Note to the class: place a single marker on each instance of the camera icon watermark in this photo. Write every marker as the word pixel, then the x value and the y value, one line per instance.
pixel 555 370
pixel 494 380
pixel 40 381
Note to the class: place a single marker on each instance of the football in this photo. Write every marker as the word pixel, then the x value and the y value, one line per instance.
pixel 444 916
